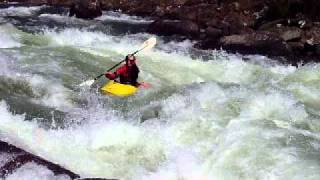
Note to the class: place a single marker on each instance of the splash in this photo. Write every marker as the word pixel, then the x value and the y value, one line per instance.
pixel 209 115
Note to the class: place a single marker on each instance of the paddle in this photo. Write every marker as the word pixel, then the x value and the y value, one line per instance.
pixel 148 44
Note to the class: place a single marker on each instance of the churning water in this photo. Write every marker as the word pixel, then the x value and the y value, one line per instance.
pixel 208 115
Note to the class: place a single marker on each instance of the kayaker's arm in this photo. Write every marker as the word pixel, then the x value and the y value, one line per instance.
pixel 115 74
pixel 111 75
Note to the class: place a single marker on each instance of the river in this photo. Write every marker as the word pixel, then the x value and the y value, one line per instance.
pixel 208 115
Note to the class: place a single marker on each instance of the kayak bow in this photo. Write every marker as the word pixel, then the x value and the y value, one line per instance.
pixel 118 89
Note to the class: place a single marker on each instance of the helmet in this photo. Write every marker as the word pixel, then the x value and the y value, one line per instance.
pixel 130 57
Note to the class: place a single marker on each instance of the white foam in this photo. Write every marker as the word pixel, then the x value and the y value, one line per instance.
pixel 63 18
pixel 116 16
pixel 210 132
pixel 20 11
pixel 48 92
pixel 4 69
pixel 6 157
pixel 76 37
pixel 243 127
pixel 36 172
pixel 9 37
pixel 52 94
pixel 57 17
pixel 274 106
pixel 96 43
pixel 91 146
pixel 6 41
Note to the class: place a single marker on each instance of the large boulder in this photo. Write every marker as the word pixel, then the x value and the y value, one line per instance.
pixel 287 33
pixel 253 43
pixel 171 27
pixel 256 43
pixel 86 9
pixel 213 33
pixel 291 34
pixel 311 41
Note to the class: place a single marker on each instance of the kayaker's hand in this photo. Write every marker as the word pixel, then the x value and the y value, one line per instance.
pixel 109 75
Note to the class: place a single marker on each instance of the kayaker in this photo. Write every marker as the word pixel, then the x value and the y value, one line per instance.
pixel 127 73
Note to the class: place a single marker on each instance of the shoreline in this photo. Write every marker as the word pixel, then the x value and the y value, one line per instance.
pixel 233 27
pixel 244 27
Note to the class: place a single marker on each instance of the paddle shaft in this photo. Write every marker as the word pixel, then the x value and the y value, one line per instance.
pixel 109 70
pixel 118 64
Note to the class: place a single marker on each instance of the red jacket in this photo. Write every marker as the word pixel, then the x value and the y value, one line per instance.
pixel 128 75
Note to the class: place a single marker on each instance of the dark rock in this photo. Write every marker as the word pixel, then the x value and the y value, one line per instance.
pixel 5 147
pixel 290 23
pixel 287 33
pixel 256 43
pixel 312 36
pixel 199 13
pixel 291 34
pixel 194 2
pixel 25 157
pixel 297 47
pixel 213 32
pixel 208 44
pixel 171 27
pixel 311 9
pixel 270 25
pixel 317 49
pixel 86 9
pixel 311 40
pixel 214 23
pixel 142 8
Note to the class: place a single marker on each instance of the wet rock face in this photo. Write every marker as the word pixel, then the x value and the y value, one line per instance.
pixel 216 23
pixel 171 27
pixel 290 8
pixel 256 43
pixel 86 9
pixel 21 157
pixel 251 43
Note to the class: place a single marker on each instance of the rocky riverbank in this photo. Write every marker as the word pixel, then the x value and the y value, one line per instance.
pixel 20 158
pixel 288 28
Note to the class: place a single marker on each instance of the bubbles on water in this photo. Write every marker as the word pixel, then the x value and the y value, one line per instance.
pixel 9 40
pixel 119 17
pixel 36 172
pixel 246 119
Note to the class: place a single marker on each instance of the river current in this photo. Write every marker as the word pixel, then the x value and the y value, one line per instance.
pixel 209 114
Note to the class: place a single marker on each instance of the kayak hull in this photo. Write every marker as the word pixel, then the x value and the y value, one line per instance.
pixel 118 89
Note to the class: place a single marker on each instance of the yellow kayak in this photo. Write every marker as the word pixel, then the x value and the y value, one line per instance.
pixel 118 89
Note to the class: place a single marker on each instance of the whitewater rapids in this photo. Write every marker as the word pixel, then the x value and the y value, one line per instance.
pixel 209 114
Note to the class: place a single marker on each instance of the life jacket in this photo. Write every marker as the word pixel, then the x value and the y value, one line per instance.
pixel 128 75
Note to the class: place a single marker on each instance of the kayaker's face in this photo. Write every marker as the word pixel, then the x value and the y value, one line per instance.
pixel 131 61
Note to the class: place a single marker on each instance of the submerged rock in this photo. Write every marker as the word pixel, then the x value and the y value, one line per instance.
pixel 24 157
pixel 21 157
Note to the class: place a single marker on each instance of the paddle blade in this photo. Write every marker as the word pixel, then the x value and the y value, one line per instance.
pixel 145 85
pixel 148 44
pixel 87 83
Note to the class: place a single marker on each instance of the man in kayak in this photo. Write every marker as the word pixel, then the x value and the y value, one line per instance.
pixel 128 73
